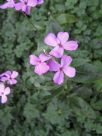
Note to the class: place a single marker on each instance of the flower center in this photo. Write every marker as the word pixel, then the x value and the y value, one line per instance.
pixel 61 68
pixel 60 45
pixel 25 2
pixel 38 62
pixel 2 93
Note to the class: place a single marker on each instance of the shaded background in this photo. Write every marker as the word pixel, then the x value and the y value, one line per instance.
pixel 36 106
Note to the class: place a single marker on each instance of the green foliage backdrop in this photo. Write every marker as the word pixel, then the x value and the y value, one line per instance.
pixel 36 106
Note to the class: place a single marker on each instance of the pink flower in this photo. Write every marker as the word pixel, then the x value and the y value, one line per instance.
pixel 9 77
pixel 8 4
pixel 25 5
pixel 61 69
pixel 60 42
pixel 40 66
pixel 4 91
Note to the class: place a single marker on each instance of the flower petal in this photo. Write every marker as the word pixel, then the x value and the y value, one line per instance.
pixel 3 79
pixel 58 77
pixel 14 74
pixel 18 6
pixel 33 59
pixel 7 91
pixel 43 57
pixel 63 37
pixel 2 87
pixel 4 99
pixel 9 4
pixel 51 40
pixel 71 45
pixel 57 52
pixel 41 68
pixel 5 5
pixel 24 7
pixel 70 71
pixel 53 65
pixel 5 76
pixel 32 3
pixel 40 2
pixel 7 73
pixel 66 60
pixel 12 81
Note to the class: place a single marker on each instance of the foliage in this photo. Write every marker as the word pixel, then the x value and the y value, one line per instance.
pixel 36 106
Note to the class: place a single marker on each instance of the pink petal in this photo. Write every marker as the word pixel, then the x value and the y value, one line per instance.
pixel 12 81
pixel 51 40
pixel 4 6
pixel 5 76
pixel 18 6
pixel 2 87
pixel 42 68
pixel 9 4
pixel 4 99
pixel 12 1
pixel 23 1
pixel 58 77
pixel 14 74
pixel 71 45
pixel 7 73
pixel 40 2
pixel 63 37
pixel 70 71
pixel 32 3
pixel 33 60
pixel 7 91
pixel 66 60
pixel 53 65
pixel 3 79
pixel 24 7
pixel 57 52
pixel 43 57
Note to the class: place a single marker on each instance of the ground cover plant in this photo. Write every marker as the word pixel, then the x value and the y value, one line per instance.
pixel 37 106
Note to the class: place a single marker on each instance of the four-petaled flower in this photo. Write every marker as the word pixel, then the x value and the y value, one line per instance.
pixel 62 68
pixel 9 77
pixel 4 91
pixel 60 42
pixel 40 66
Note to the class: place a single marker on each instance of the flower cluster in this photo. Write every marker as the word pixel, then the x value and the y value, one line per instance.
pixel 21 5
pixel 6 79
pixel 47 61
